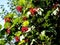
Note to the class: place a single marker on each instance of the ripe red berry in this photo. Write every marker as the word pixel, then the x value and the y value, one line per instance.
pixel 17 38
pixel 24 29
pixel 8 31
pixel 33 11
pixel 7 19
pixel 19 8
pixel 24 18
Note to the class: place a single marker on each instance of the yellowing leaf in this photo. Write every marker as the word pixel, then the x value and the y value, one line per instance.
pixel 21 42
pixel 18 33
pixel 25 23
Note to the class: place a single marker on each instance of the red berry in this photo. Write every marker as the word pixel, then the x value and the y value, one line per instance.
pixel 7 19
pixel 24 29
pixel 24 18
pixel 33 11
pixel 8 31
pixel 17 38
pixel 19 8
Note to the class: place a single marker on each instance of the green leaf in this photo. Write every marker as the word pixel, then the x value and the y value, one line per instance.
pixel 47 15
pixel 22 2
pixel 39 20
pixel 42 35
pixel 7 25
pixel 15 21
pixel 0 26
pixel 20 20
pixel 47 2
pixel 11 15
pixel 46 25
pixel 2 42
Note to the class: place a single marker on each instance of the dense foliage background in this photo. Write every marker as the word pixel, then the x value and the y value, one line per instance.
pixel 31 22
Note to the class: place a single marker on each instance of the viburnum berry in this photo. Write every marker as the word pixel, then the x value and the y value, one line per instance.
pixel 7 19
pixel 19 8
pixel 33 11
pixel 24 18
pixel 8 31
pixel 17 39
pixel 24 29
